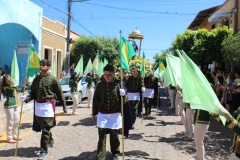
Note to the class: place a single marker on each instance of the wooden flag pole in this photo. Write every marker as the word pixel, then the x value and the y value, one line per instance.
pixel 19 125
pixel 122 109
pixel 142 100
pixel 158 98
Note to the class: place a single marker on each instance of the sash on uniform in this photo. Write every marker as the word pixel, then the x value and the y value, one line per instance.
pixel 149 93
pixel 35 126
pixel 133 96
pixel 110 121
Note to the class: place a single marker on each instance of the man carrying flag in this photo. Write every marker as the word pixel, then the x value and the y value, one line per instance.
pixel 134 86
pixel 151 87
pixel 44 88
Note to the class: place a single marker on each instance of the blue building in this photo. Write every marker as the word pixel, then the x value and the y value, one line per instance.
pixel 20 26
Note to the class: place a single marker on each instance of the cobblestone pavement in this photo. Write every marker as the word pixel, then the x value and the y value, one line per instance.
pixel 157 138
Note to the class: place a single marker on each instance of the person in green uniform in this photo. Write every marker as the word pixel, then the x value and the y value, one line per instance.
pixel 44 88
pixel 151 87
pixel 134 86
pixel 201 121
pixel 107 112
pixel 90 84
pixel 233 123
pixel 188 121
pixel 73 84
pixel 10 108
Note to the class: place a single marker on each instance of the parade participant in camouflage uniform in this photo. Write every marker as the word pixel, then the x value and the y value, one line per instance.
pixel 107 112
pixel 43 89
pixel 151 87
pixel 134 85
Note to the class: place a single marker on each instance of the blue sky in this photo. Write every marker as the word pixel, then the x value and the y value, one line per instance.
pixel 158 20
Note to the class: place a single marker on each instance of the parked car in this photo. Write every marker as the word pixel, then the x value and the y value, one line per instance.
pixel 82 89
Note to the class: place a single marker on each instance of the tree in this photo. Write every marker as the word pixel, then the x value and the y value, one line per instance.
pixel 184 41
pixel 202 46
pixel 88 47
pixel 231 49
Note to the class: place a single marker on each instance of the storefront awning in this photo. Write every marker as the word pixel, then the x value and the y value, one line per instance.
pixel 216 17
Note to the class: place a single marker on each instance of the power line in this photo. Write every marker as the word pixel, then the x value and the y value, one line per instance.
pixel 81 25
pixel 144 11
pixel 74 20
pixel 53 7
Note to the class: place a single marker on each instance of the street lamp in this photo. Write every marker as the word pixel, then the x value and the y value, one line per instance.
pixel 136 35
pixel 68 32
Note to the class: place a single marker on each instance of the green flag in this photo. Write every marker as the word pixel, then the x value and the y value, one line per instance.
pixel 105 62
pixel 168 75
pixel 15 70
pixel 126 52
pixel 142 67
pixel 100 70
pixel 174 65
pixel 95 64
pixel 161 66
pixel 196 89
pixel 53 70
pixel 88 67
pixel 79 67
pixel 33 62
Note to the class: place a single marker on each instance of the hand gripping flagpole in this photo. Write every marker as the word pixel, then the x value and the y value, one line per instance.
pixel 122 109
pixel 19 125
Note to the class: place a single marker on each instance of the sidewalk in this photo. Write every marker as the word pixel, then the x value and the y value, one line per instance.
pixel 158 138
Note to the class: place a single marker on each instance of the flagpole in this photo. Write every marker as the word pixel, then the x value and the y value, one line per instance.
pixel 158 98
pixel 122 109
pixel 142 100
pixel 19 125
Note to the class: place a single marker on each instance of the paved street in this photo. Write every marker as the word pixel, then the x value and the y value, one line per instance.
pixel 158 138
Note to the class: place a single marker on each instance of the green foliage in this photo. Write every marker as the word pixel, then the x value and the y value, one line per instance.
pixel 202 46
pixel 184 41
pixel 162 57
pixel 88 47
pixel 231 49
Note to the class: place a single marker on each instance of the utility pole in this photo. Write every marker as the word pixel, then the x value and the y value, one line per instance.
pixel 69 40
pixel 68 36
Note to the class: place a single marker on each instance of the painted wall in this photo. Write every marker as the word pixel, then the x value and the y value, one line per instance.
pixel 54 40
pixel 20 21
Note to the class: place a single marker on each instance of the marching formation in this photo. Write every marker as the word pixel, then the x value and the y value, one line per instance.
pixel 116 99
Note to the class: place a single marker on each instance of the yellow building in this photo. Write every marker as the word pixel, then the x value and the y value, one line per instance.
pixel 226 14
pixel 53 45
pixel 201 20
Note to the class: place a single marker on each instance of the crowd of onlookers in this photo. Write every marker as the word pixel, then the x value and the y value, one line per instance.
pixel 226 86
